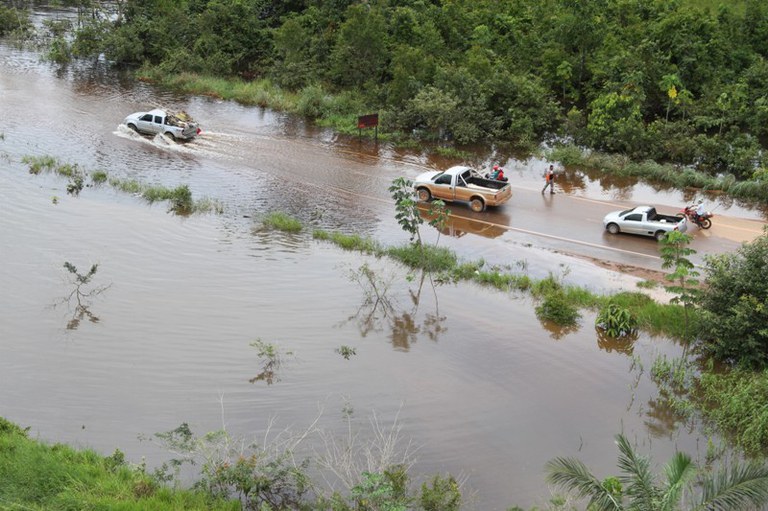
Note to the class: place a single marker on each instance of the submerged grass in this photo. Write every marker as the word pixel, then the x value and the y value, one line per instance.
pixel 180 197
pixel 654 317
pixel 280 221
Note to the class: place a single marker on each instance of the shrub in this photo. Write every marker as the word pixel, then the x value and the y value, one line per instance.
pixel 616 321
pixel 558 309
pixel 734 305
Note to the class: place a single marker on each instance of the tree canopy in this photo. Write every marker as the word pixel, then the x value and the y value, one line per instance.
pixel 659 79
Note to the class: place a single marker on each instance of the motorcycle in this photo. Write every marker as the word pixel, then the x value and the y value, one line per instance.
pixel 703 221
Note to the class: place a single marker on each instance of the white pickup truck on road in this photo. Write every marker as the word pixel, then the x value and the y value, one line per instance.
pixel 177 126
pixel 643 220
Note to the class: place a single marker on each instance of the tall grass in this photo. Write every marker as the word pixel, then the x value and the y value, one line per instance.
pixel 37 476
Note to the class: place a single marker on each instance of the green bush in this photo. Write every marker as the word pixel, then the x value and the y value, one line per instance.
pixel 734 305
pixel 12 19
pixel 737 402
pixel 616 321
pixel 557 308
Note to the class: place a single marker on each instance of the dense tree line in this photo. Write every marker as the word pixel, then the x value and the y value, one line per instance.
pixel 658 79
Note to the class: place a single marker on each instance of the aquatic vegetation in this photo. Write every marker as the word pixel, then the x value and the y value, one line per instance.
pixel 80 296
pixel 180 197
pixel 99 176
pixel 39 163
pixel 346 351
pixel 272 359
pixel 280 221
pixel 616 321
pixel 556 307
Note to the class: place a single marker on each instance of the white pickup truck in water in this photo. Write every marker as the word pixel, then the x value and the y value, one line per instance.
pixel 643 220
pixel 177 126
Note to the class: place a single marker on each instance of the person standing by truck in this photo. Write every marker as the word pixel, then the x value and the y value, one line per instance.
pixel 549 180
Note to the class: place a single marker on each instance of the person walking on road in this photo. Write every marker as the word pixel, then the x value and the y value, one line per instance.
pixel 549 180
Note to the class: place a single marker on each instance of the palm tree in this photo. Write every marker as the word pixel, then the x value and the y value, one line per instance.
pixel 683 486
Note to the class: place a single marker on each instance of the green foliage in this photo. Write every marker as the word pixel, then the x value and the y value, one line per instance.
pixel 426 257
pixel 557 308
pixel 674 254
pixel 39 163
pixel 680 485
pixel 280 221
pixel 180 198
pixel 382 492
pixel 349 241
pixel 661 80
pixel 616 321
pixel 346 351
pixel 734 325
pixel 271 358
pixel 442 494
pixel 99 176
pixel 406 208
pixel 737 403
pixel 36 475
pixel 14 20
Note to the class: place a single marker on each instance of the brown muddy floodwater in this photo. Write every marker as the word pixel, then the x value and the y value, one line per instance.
pixel 476 383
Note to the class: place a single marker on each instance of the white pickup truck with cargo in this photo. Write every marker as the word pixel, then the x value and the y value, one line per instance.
pixel 178 126
pixel 464 184
pixel 643 220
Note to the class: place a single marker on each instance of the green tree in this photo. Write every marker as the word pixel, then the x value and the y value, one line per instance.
pixel 681 486
pixel 407 210
pixel 361 53
pixel 674 254
pixel 734 305
pixel 616 122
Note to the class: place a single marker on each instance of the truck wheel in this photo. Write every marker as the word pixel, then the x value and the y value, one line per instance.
pixel 613 228
pixel 477 205
pixel 133 127
pixel 424 195
pixel 659 235
pixel 169 135
pixel 705 223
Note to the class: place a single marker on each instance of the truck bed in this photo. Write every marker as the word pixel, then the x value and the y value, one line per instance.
pixel 486 183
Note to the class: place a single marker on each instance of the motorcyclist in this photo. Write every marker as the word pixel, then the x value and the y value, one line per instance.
pixel 700 210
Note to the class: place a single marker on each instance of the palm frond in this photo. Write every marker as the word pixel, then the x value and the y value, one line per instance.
pixel 638 479
pixel 572 475
pixel 680 471
pixel 743 486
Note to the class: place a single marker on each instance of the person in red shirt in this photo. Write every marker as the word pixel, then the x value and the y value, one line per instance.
pixel 549 180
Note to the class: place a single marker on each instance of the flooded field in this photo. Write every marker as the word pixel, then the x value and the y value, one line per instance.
pixel 475 381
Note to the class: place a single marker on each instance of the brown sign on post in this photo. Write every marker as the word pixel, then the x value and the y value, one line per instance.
pixel 367 121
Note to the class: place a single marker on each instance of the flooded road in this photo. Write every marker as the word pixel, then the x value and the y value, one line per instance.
pixel 477 383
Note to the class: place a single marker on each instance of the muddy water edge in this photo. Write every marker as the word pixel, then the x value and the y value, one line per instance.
pixel 479 386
